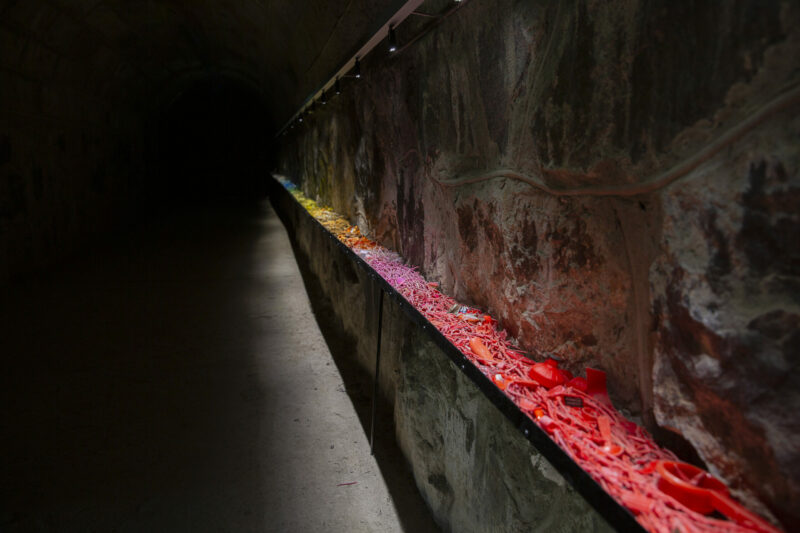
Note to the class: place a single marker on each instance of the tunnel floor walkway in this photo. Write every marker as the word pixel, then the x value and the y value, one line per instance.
pixel 178 381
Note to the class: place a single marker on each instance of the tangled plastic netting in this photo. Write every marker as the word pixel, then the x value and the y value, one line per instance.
pixel 664 495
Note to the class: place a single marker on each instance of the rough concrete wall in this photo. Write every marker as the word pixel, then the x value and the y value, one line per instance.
pixel 472 467
pixel 591 173
pixel 726 313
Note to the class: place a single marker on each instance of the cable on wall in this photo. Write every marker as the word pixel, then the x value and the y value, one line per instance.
pixel 653 183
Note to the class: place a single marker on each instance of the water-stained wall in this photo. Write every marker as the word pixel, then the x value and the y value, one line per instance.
pixel 618 183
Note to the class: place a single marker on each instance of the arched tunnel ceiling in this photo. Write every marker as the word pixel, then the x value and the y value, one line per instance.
pixel 146 50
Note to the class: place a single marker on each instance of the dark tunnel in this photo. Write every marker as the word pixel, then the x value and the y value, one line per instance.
pixel 399 265
pixel 152 314
pixel 212 142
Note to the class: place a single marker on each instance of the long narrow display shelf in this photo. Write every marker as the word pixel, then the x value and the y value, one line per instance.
pixel 548 434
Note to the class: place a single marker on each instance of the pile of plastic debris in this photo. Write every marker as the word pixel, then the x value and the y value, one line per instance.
pixel 663 493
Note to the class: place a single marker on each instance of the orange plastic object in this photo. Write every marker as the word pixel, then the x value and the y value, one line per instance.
pixel 701 492
pixel 604 424
pixel 547 375
pixel 500 380
pixel 480 349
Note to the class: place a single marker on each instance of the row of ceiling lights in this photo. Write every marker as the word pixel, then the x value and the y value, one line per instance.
pixel 356 74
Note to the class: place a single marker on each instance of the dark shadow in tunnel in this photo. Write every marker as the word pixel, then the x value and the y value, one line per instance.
pixel 128 405
pixel 412 510
pixel 212 142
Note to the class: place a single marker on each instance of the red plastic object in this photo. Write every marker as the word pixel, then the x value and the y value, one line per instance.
pixel 554 363
pixel 578 384
pixel 688 484
pixel 701 492
pixel 596 385
pixel 547 375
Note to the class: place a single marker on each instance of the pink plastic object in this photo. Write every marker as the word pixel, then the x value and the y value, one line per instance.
pixel 526 404
pixel 637 502
pixel 547 423
pixel 517 356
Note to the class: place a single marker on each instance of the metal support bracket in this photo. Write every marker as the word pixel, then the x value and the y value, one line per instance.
pixel 375 386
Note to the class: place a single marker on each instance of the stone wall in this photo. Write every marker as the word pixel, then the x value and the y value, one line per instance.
pixel 474 469
pixel 617 183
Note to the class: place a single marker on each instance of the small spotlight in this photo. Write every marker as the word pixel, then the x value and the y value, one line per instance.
pixel 337 87
pixel 392 39
pixel 322 98
pixel 300 118
pixel 357 69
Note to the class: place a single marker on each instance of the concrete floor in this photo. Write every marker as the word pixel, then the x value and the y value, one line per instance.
pixel 178 381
